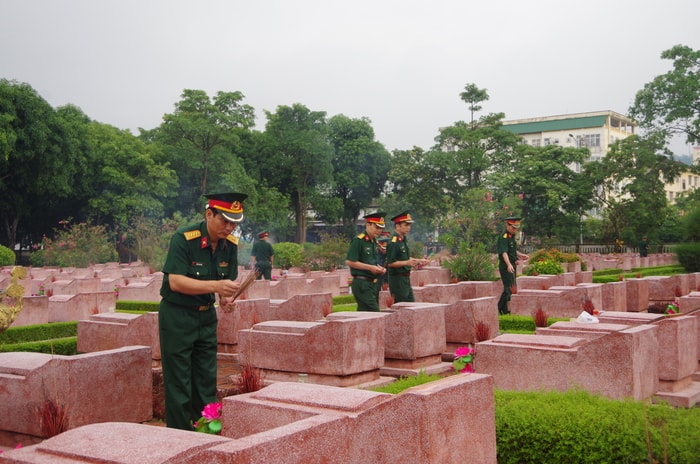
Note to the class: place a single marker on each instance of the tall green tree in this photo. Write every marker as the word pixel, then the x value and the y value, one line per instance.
pixel 200 137
pixel 465 152
pixel 301 162
pixel 473 95
pixel 630 183
pixel 360 165
pixel 550 190
pixel 126 181
pixel 670 103
pixel 38 162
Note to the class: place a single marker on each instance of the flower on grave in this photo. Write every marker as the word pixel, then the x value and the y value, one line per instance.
pixel 210 422
pixel 464 357
pixel 672 308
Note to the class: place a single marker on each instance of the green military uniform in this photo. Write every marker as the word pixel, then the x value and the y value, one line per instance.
pixel 644 247
pixel 399 277
pixel 364 283
pixel 263 253
pixel 188 323
pixel 506 244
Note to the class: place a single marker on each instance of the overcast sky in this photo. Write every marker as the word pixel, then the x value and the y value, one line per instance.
pixel 402 64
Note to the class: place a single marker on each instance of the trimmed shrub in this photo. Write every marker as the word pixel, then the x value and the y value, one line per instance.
pixel 288 254
pixel 689 256
pixel 548 267
pixel 38 332
pixel 64 346
pixel 7 256
pixel 137 306
pixel 471 263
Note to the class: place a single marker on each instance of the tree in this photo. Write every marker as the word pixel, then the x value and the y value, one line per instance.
pixel 126 180
pixel 630 183
pixel 670 103
pixel 360 165
pixel 300 164
pixel 464 153
pixel 549 188
pixel 200 136
pixel 38 162
pixel 473 96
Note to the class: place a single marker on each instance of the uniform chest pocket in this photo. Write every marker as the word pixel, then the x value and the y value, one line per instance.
pixel 198 270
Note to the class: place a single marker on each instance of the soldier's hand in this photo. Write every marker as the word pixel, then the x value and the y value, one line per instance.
pixel 227 287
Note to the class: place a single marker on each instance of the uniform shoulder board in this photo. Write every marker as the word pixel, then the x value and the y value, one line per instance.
pixel 505 235
pixel 192 234
pixel 232 238
pixel 394 239
pixel 362 235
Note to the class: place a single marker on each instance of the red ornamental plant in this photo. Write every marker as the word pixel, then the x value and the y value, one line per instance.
pixel 327 309
pixel 482 331
pixel 52 418
pixel 513 289
pixel 250 379
pixel 540 317
pixel 588 306
pixel 390 301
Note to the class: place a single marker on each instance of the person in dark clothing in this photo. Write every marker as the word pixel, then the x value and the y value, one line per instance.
pixel 202 261
pixel 363 260
pixel 399 261
pixel 262 256
pixel 508 256
pixel 644 247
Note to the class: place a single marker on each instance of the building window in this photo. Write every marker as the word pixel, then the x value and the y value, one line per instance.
pixel 547 142
pixel 535 142
pixel 590 140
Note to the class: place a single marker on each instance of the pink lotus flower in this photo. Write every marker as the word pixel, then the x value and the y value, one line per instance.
pixel 210 422
pixel 464 357
pixel 212 411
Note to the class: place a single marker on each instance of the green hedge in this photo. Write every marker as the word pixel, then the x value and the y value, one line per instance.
pixel 522 324
pixel 580 428
pixel 67 346
pixel 605 276
pixel 343 300
pixel 137 306
pixel 38 332
pixel 54 338
pixel 688 255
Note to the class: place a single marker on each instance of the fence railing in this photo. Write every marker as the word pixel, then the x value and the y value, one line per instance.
pixel 602 249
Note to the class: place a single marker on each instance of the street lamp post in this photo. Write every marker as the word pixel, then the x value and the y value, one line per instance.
pixel 577 140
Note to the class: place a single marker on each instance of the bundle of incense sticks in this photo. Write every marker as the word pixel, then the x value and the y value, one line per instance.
pixel 247 282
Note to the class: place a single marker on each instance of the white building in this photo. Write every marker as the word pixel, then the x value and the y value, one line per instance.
pixel 595 131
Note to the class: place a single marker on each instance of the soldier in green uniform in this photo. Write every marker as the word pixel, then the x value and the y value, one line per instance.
pixel 644 247
pixel 399 261
pixel 262 256
pixel 202 261
pixel 507 261
pixel 362 258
